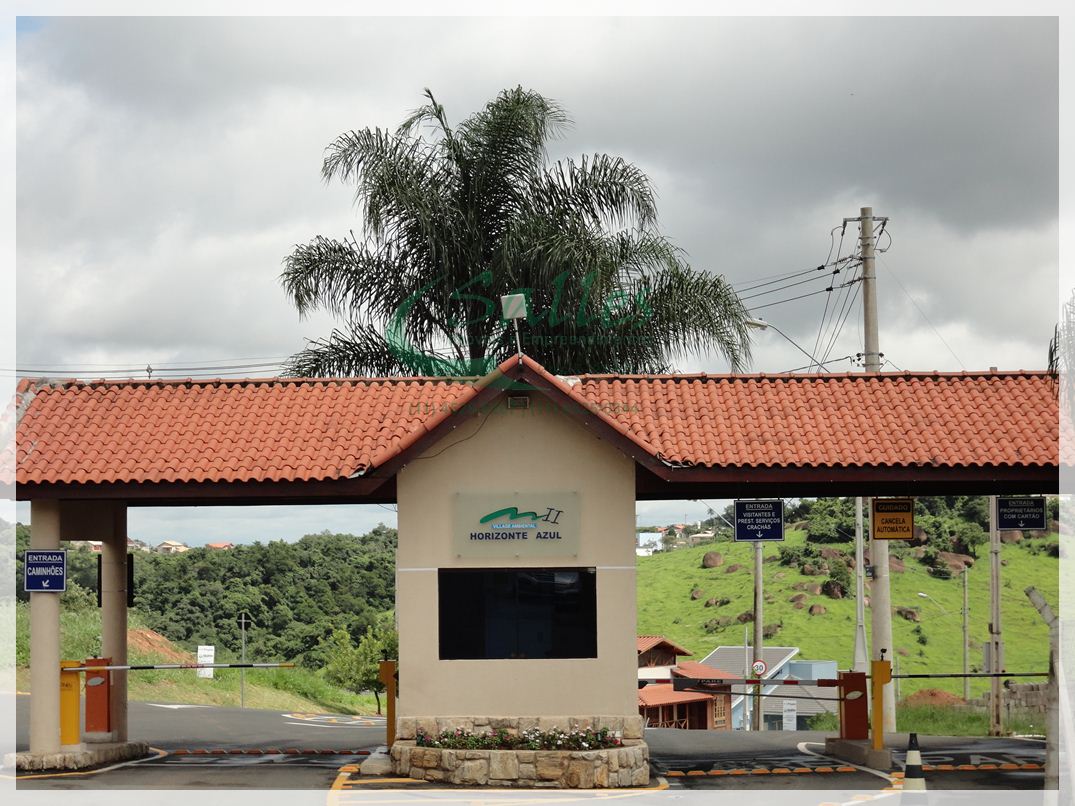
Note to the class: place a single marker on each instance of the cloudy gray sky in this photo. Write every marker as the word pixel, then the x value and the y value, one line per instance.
pixel 166 166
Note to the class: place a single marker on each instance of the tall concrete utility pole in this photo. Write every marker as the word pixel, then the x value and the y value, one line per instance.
pixel 759 600
pixel 880 594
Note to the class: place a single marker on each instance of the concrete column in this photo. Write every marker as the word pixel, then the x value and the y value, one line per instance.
pixel 114 613
pixel 45 639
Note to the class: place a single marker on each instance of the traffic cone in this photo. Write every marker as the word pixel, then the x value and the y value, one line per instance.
pixel 913 778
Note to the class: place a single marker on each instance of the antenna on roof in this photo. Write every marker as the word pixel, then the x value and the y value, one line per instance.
pixel 514 309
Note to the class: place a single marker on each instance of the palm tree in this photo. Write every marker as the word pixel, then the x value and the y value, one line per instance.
pixel 453 218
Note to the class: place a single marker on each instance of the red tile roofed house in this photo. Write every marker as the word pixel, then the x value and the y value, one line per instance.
pixel 219 546
pixel 661 705
pixel 656 650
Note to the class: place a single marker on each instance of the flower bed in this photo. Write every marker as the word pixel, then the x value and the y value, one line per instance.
pixel 547 751
pixel 531 739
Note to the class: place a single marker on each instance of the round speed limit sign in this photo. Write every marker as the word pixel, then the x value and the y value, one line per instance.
pixel 758 667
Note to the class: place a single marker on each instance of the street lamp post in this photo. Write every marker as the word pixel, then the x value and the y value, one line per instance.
pixel 966 633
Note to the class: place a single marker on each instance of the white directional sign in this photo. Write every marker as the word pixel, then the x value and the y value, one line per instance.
pixel 791 715
pixel 206 654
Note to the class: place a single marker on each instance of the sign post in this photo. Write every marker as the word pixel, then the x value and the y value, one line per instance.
pixel 244 622
pixel 44 571
pixel 1021 513
pixel 759 522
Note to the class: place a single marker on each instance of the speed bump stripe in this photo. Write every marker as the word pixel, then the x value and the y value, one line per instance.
pixel 675 773
pixel 781 771
pixel 845 769
pixel 695 772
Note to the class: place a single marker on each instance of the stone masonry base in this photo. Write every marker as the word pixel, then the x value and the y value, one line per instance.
pixel 81 756
pixel 627 765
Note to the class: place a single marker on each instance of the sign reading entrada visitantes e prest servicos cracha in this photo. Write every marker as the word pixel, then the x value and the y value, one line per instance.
pixel 759 521
pixel 516 524
pixel 45 571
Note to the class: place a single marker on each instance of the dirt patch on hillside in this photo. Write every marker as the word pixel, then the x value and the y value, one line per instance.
pixel 933 696
pixel 153 643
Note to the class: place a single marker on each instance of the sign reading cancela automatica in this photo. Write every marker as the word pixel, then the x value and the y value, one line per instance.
pixel 893 518
pixel 516 524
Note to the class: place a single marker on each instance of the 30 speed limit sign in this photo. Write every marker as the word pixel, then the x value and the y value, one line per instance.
pixel 758 667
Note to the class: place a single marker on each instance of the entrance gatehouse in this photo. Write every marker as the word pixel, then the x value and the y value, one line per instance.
pixel 515 575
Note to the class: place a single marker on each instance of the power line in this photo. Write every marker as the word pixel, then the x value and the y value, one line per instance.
pixel 828 297
pixel 804 296
pixel 821 364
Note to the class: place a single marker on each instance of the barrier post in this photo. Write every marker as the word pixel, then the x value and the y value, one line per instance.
pixel 98 701
pixel 69 703
pixel 880 675
pixel 387 674
pixel 854 711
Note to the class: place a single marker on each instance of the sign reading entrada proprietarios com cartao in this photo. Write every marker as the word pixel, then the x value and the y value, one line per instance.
pixel 516 525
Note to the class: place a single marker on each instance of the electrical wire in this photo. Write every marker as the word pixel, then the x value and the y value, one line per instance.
pixel 828 297
pixel 823 363
pixel 843 319
pixel 804 296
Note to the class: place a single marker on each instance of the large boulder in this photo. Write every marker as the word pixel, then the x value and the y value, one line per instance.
pixel 909 613
pixel 770 630
pixel 696 594
pixel 955 562
pixel 895 565
pixel 1011 536
pixel 712 559
pixel 745 616
pixel 798 597
pixel 817 610
pixel 813 588
pixel 731 569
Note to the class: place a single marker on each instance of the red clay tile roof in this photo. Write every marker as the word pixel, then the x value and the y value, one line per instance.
pixel 663 694
pixel 900 419
pixel 313 429
pixel 648 642
pixel 696 670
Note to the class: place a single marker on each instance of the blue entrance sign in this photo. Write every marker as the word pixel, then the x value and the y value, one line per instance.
pixel 45 571
pixel 1021 513
pixel 759 521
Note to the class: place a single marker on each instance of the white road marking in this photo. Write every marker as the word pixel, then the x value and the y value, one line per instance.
pixel 174 707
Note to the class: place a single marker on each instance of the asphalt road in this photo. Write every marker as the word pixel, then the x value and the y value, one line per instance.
pixel 720 760
pixel 292 751
pixel 172 728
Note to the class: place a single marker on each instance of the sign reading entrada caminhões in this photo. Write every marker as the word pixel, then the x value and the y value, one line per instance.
pixel 516 525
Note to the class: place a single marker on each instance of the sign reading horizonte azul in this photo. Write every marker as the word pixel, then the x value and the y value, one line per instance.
pixel 516 524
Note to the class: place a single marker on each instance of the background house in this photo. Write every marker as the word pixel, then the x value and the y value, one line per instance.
pixel 663 706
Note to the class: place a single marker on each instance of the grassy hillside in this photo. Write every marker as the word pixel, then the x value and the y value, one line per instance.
pixel 277 689
pixel 665 582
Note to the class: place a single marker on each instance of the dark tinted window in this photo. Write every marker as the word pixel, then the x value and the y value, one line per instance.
pixel 518 613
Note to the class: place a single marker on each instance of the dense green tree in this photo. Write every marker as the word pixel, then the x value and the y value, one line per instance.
pixel 455 216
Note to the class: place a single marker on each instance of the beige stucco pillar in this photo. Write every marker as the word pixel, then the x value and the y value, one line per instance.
pixel 114 614
pixel 45 639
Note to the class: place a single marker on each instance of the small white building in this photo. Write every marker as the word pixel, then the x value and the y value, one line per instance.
pixel 172 547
